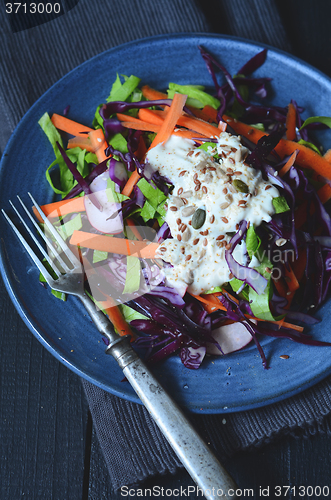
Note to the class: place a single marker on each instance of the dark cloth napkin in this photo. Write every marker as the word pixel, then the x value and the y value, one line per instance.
pixel 35 58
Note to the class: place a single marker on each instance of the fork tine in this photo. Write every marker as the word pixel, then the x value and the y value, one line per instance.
pixel 27 247
pixel 71 256
pixel 44 237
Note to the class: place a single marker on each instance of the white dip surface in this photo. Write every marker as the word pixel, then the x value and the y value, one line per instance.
pixel 198 255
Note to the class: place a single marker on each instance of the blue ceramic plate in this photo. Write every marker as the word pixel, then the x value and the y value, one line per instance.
pixel 223 384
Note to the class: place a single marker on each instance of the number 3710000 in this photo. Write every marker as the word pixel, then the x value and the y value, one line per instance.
pixel 33 8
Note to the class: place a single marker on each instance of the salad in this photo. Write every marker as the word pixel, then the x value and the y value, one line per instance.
pixel 199 216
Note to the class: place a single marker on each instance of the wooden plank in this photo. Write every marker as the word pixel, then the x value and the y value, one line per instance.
pixel 43 415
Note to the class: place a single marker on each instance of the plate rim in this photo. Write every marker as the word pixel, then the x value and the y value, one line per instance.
pixel 24 314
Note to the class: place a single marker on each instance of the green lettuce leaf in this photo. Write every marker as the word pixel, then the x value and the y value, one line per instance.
pixel 66 230
pixel 121 91
pixel 195 92
pixel 132 278
pixel 280 204
pixel 310 145
pixel 326 120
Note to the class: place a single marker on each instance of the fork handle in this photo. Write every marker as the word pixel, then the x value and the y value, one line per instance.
pixel 199 461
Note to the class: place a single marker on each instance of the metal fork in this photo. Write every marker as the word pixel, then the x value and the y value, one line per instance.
pixel 196 457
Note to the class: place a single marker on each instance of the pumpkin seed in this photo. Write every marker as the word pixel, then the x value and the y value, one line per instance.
pixel 198 218
pixel 240 186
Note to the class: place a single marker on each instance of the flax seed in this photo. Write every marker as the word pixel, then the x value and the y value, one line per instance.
pixel 184 200
pixel 197 187
pixel 182 250
pixel 204 233
pixel 228 246
pixel 229 171
pixel 183 172
pixel 205 242
pixel 183 227
pixel 267 187
pixel 242 202
pixel 231 160
pixel 204 190
pixel 220 237
pixel 180 190
pixel 212 219
pixel 178 221
pixel 225 190
pixel 224 205
pixel 284 356
pixel 225 220
pixel 203 171
pixel 179 238
pixel 237 172
pixel 212 169
pixel 196 241
pixel 188 257
pixel 190 153
pixel 173 209
pixel 163 249
pixel 195 176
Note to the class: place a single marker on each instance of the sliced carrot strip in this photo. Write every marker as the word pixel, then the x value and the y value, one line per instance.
pixel 62 207
pixel 121 246
pixel 203 114
pixel 151 116
pixel 80 142
pixel 140 125
pixel 288 164
pixel 132 181
pixel 291 118
pixel 99 144
pixel 306 158
pixel 69 126
pixel 116 317
pixel 152 94
pixel 291 279
pixel 327 155
pixel 210 112
pixel 167 128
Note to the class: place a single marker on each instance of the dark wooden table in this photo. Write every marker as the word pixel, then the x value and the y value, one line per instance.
pixel 49 450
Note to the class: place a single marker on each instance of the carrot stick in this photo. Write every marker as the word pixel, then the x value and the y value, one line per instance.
pixel 306 158
pixel 211 113
pixel 132 181
pixel 203 115
pixel 175 111
pixel 291 279
pixel 140 125
pixel 327 155
pixel 151 116
pixel 152 94
pixel 99 144
pixel 288 164
pixel 69 126
pixel 116 317
pixel 291 118
pixel 80 142
pixel 62 207
pixel 110 244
